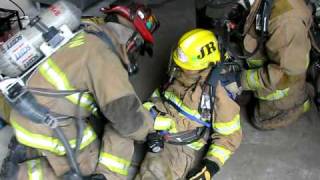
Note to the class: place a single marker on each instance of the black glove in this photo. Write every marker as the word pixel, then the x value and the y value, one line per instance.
pixel 95 177
pixel 317 100
pixel 230 77
pixel 205 171
pixel 155 142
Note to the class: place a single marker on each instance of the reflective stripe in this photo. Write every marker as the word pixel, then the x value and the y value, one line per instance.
pixel 51 144
pixel 253 79
pixel 227 128
pixel 115 164
pixel 77 41
pixel 306 106
pixel 196 145
pixel 53 74
pixel 148 105
pixel 184 110
pixel 219 152
pixel 255 63
pixel 35 169
pixel 151 108
pixel 276 95
pixel 308 60
pixel 156 94
pixel 163 123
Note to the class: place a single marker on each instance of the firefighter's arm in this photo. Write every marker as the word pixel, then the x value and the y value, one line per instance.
pixel 289 45
pixel 115 96
pixel 226 137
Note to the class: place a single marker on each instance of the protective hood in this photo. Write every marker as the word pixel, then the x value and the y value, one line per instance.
pixel 120 32
pixel 120 35
pixel 190 79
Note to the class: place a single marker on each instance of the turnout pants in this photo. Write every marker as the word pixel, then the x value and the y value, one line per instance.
pixel 173 162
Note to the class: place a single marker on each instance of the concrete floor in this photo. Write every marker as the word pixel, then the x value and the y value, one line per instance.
pixel 291 153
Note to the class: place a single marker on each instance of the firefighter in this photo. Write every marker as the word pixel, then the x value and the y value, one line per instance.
pixel 278 61
pixel 92 66
pixel 185 114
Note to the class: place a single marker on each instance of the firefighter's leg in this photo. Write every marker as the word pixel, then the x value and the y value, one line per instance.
pixel 36 169
pixel 17 154
pixel 32 169
pixel 270 115
pixel 173 162
pixel 115 155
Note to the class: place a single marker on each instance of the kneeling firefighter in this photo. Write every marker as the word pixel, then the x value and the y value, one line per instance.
pixel 276 48
pixel 198 101
pixel 57 77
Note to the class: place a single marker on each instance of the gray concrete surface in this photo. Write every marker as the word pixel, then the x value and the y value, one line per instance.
pixel 291 153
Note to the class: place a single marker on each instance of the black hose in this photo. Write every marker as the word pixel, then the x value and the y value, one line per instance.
pixel 80 125
pixel 24 14
pixel 192 139
pixel 69 152
pixel 53 93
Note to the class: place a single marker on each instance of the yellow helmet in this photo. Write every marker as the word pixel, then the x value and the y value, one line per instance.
pixel 196 49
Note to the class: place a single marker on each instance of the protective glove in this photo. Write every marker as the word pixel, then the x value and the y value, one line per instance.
pixel 95 177
pixel 204 172
pixel 155 142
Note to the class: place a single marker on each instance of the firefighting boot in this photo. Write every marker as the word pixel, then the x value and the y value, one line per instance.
pixel 10 165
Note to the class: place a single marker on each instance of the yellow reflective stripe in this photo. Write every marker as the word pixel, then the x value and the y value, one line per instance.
pixel 227 128
pixel 115 164
pixel 306 106
pixel 148 105
pixel 253 79
pixel 219 152
pixel 276 95
pixel 173 98
pixel 96 20
pixel 35 169
pixel 255 63
pixel 156 93
pixel 163 123
pixel 53 74
pixel 49 143
pixel 196 145
pixel 308 60
pixel 77 41
pixel 88 137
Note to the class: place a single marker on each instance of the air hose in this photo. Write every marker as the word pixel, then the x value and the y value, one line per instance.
pixel 22 100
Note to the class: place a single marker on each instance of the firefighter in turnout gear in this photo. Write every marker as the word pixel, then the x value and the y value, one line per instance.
pixel 279 45
pixel 200 130
pixel 90 72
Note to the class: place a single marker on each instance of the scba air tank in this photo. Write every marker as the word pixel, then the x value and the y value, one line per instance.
pixel 22 51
